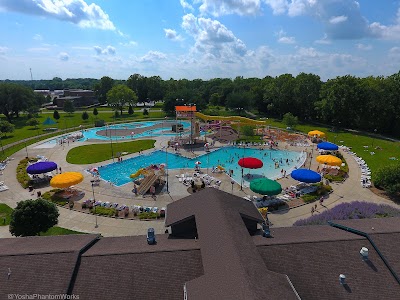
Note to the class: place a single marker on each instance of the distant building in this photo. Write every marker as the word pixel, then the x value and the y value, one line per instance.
pixel 78 97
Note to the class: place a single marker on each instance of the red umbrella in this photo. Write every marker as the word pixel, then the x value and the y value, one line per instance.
pixel 250 163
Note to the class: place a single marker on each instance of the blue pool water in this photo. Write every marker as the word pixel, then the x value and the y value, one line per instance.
pixel 165 130
pixel 119 172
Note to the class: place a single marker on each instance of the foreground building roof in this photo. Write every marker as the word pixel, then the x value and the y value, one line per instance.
pixel 213 251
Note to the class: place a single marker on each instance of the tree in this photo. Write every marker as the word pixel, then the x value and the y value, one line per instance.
pixel 56 115
pixel 248 130
pixel 15 98
pixel 101 89
pixel 95 112
pixel 32 122
pixel 69 107
pixel 85 116
pixel 145 112
pixel 290 120
pixel 119 96
pixel 6 127
pixel 130 110
pixel 31 217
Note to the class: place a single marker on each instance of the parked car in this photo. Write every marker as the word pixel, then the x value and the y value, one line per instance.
pixel 151 236
pixel 155 209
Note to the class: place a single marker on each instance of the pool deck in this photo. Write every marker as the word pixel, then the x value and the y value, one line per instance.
pixel 347 191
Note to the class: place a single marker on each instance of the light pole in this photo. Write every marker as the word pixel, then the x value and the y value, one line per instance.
pixel 26 149
pixel 166 162
pixel 232 182
pixel 1 142
pixel 373 138
pixel 94 205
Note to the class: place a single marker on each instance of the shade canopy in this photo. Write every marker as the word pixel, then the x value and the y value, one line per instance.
pixel 329 160
pixel 317 133
pixel 66 179
pixel 250 163
pixel 41 167
pixel 305 175
pixel 49 121
pixel 265 186
pixel 327 146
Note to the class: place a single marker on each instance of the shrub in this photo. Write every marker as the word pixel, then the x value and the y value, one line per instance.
pixel 22 175
pixel 104 211
pixel 55 197
pixel 148 215
pixel 353 210
pixel 388 178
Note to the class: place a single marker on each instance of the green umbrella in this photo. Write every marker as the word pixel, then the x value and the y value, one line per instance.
pixel 265 186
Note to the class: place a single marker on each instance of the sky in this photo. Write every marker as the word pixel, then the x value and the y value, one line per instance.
pixel 198 38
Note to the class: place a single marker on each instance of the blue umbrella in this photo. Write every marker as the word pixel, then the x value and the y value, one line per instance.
pixel 305 175
pixel 41 167
pixel 49 121
pixel 327 146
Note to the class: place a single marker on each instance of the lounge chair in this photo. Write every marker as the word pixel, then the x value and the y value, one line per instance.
pixel 3 188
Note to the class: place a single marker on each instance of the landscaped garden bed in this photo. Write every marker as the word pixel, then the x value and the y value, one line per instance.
pixel 322 190
pixel 353 210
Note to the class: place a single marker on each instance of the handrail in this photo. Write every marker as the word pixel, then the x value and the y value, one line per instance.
pixel 364 234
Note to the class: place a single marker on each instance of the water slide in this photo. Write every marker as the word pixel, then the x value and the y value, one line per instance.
pixel 138 173
pixel 241 120
pixel 147 183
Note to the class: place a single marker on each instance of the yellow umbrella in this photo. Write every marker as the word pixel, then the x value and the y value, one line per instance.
pixel 329 160
pixel 317 133
pixel 66 179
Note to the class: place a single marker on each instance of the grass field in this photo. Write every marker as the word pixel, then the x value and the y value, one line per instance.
pixel 5 214
pixel 55 230
pixel 100 152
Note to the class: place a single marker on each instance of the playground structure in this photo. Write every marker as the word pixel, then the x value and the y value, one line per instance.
pixel 151 174
pixel 221 124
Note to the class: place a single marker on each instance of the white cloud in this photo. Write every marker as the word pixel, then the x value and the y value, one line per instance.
pixel 38 49
pixel 278 6
pixel 338 19
pixel 342 19
pixel 63 56
pixel 109 50
pixel 324 40
pixel 186 5
pixel 74 11
pixel 172 35
pixel 226 7
pixel 282 38
pixel 37 37
pixel 212 38
pixel 390 32
pixel 3 50
pixel 152 56
pixel 364 47
pixel 129 44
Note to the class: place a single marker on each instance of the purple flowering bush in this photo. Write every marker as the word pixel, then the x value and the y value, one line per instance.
pixel 353 210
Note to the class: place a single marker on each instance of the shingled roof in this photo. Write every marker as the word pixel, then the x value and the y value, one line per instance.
pixel 39 265
pixel 232 265
pixel 228 260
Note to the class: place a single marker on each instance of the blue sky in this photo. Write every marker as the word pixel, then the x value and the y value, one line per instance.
pixel 198 38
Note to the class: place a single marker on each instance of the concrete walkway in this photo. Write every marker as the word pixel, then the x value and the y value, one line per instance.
pixel 344 192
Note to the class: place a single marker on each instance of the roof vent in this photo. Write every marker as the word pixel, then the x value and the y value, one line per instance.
pixel 364 253
pixel 342 279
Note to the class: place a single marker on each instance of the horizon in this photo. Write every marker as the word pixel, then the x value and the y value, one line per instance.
pixel 198 39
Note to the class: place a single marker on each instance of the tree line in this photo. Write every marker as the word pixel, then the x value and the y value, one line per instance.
pixel 368 103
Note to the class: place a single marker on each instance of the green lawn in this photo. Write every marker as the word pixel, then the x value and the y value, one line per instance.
pixel 68 121
pixel 356 141
pixel 5 214
pixel 100 152
pixel 55 230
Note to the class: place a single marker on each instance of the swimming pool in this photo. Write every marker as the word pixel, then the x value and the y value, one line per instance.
pixel 164 130
pixel 118 173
